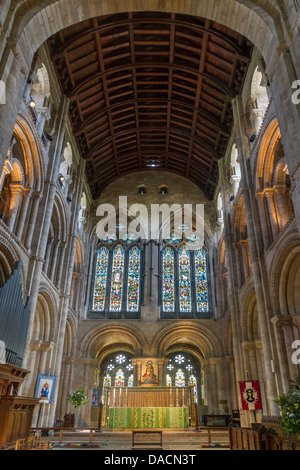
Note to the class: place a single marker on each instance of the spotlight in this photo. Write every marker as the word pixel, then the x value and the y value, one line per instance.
pixel 31 103
pixel 252 138
pixel 49 137
pixel 69 199
pixel 61 177
pixel 232 198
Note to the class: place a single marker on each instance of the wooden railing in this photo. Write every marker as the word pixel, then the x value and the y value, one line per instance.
pixel 32 443
pixel 61 431
pixel 261 439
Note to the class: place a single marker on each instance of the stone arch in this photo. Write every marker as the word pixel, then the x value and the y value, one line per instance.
pixel 260 24
pixel 241 240
pixel 197 338
pixel 104 340
pixel 43 328
pixel 285 276
pixel 249 316
pixel 273 184
pixel 69 337
pixel 9 256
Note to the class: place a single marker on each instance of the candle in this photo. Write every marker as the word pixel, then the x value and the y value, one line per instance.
pixel 114 404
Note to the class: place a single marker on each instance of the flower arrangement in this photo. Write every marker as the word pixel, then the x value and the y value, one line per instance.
pixel 78 399
pixel 289 405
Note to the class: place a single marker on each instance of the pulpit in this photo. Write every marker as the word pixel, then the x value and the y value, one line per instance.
pixel 15 412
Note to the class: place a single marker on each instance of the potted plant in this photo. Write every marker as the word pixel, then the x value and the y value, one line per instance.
pixel 78 399
pixel 289 404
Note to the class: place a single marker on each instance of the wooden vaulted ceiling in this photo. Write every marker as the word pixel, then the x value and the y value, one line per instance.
pixel 151 91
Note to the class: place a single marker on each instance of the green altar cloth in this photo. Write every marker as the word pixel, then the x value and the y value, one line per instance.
pixel 145 418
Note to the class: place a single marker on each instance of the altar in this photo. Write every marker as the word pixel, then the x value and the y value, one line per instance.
pixel 148 418
pixel 148 407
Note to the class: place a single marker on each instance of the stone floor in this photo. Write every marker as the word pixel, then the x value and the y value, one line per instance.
pixel 122 440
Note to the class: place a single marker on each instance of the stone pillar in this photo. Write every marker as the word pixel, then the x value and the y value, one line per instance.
pixel 222 392
pixel 23 213
pixel 263 219
pixel 61 264
pixel 36 198
pixel 65 390
pixel 269 193
pixel 16 191
pixel 284 328
pixel 261 284
pixel 47 255
pixel 54 261
pixel 245 256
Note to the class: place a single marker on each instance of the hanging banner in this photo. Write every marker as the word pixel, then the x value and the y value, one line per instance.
pixel 250 395
pixel 45 388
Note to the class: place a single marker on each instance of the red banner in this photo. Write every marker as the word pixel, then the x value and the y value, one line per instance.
pixel 250 395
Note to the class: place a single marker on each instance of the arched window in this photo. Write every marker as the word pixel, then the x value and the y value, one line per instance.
pixel 184 370
pixel 201 281
pixel 184 291
pixel 180 378
pixel 117 287
pixel 120 378
pixel 130 381
pixel 134 268
pixel 101 279
pixel 117 371
pixel 116 292
pixel 168 280
pixel 168 380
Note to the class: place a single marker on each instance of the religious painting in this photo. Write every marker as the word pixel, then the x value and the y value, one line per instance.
pixel 95 397
pixel 149 377
pixel 45 388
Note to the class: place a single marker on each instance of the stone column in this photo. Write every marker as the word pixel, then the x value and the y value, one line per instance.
pixel 222 393
pixel 61 264
pixel 36 198
pixel 54 261
pixel 214 385
pixel 263 219
pixel 16 191
pixel 39 247
pixel 239 264
pixel 284 323
pixel 245 255
pixel 269 193
pixel 23 213
pixel 261 284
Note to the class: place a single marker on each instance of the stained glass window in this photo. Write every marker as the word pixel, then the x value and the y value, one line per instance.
pixel 168 380
pixel 116 293
pixel 201 281
pixel 168 281
pixel 120 358
pixel 130 381
pixel 184 281
pixel 107 381
pixel 193 382
pixel 100 279
pixel 179 378
pixel 119 380
pixel 134 267
pixel 185 294
pixel 179 359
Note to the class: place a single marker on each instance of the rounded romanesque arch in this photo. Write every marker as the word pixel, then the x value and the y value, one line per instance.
pixel 187 335
pixel 285 275
pixel 258 22
pixel 103 340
